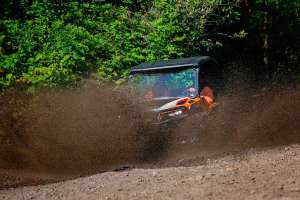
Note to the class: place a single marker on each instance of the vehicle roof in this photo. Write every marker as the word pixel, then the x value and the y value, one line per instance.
pixel 196 61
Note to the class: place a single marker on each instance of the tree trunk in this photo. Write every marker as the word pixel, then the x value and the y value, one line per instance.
pixel 265 36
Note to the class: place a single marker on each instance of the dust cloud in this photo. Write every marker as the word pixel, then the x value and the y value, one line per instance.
pixel 262 118
pixel 68 132
pixel 75 132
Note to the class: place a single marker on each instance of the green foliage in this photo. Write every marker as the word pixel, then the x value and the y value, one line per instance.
pixel 53 43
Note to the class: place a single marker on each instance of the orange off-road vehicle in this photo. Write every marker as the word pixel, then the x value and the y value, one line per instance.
pixel 177 88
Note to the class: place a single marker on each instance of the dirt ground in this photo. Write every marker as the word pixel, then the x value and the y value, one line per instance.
pixel 256 174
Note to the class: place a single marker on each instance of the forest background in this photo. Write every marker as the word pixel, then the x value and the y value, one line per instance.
pixel 58 43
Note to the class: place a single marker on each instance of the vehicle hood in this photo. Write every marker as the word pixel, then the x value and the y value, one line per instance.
pixel 160 104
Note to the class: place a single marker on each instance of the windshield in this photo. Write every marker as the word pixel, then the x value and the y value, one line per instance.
pixel 166 85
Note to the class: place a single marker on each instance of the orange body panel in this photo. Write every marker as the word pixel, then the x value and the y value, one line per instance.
pixel 203 103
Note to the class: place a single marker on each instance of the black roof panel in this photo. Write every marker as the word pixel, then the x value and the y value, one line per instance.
pixel 172 63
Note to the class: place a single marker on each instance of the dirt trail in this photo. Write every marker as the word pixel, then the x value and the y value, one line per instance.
pixel 257 174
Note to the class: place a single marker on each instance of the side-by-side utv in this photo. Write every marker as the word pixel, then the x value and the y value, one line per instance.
pixel 173 86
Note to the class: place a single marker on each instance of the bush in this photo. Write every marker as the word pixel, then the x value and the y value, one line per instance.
pixel 55 43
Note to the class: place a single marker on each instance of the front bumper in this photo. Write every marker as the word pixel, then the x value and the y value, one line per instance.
pixel 171 119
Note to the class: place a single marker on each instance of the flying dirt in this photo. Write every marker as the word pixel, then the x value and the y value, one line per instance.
pixel 62 134
pixel 68 131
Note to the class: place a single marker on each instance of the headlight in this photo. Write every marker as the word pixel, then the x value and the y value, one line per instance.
pixel 171 113
pixel 176 113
